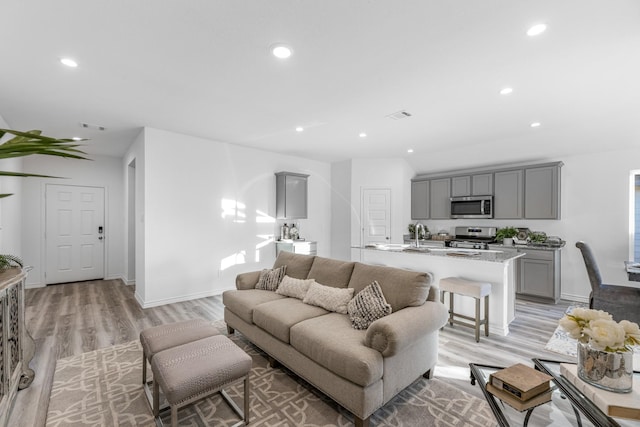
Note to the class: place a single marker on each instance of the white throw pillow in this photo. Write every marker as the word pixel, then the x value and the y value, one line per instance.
pixel 292 287
pixel 328 297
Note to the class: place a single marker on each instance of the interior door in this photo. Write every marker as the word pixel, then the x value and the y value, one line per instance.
pixel 376 209
pixel 74 233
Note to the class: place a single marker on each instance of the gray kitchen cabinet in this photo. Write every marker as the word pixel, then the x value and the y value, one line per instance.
pixel 539 275
pixel 482 184
pixel 420 199
pixel 542 192
pixel 508 199
pixel 461 186
pixel 439 198
pixel 291 195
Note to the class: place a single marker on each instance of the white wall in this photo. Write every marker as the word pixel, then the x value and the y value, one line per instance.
pixel 341 210
pixel 101 171
pixel 209 211
pixel 10 207
pixel 595 209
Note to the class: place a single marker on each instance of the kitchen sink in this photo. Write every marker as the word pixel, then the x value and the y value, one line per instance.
pixel 414 249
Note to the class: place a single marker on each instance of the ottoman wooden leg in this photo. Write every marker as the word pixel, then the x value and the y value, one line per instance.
pixel 247 403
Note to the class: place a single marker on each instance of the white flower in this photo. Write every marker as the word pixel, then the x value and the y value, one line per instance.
pixel 599 330
pixel 588 314
pixel 605 334
pixel 632 331
pixel 571 325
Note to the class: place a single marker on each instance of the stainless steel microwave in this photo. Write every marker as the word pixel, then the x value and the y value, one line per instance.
pixel 472 207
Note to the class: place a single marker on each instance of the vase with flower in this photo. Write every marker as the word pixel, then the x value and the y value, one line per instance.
pixel 605 348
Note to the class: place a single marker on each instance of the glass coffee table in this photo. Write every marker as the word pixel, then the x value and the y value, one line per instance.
pixel 568 406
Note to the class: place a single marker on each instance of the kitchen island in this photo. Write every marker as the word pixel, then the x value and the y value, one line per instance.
pixel 493 266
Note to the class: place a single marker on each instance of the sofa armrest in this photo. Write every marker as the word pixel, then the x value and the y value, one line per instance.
pixel 247 280
pixel 390 334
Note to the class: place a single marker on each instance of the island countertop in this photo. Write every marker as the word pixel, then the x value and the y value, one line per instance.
pixel 490 255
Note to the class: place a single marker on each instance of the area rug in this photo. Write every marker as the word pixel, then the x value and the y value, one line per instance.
pixel 103 387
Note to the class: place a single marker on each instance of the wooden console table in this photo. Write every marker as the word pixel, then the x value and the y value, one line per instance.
pixel 16 346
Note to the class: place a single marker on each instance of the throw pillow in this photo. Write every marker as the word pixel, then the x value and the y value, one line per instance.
pixel 292 287
pixel 368 306
pixel 270 279
pixel 328 297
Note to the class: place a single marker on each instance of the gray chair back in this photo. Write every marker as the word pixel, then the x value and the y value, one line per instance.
pixel 592 267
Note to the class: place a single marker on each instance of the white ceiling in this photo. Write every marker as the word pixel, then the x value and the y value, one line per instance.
pixel 203 67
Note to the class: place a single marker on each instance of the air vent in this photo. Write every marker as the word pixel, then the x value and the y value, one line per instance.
pixel 94 127
pixel 399 115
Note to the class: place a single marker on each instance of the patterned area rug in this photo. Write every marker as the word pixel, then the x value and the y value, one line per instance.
pixel 103 387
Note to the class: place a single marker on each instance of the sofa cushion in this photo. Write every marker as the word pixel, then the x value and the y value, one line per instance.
pixel 368 306
pixel 277 317
pixel 270 279
pixel 295 288
pixel 401 288
pixel 298 265
pixel 242 303
pixel 331 272
pixel 330 341
pixel 328 297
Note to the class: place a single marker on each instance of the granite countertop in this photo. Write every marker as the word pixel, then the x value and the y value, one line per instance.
pixel 464 254
pixel 537 247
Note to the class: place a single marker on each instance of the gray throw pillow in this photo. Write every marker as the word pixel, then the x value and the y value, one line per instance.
pixel 328 297
pixel 368 306
pixel 270 279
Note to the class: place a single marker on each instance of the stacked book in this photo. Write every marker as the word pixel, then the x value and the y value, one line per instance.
pixel 624 405
pixel 520 386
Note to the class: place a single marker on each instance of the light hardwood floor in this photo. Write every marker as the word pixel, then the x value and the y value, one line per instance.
pixel 70 319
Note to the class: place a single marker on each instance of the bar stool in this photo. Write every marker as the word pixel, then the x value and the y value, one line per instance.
pixel 469 288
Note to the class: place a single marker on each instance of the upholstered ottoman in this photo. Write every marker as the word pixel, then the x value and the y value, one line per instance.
pixel 196 370
pixel 163 337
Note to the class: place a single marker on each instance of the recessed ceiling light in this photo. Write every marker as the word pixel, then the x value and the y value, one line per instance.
pixel 299 129
pixel 537 30
pixel 281 51
pixel 410 150
pixel 69 62
pixel 506 91
pixel 362 135
pixel 535 124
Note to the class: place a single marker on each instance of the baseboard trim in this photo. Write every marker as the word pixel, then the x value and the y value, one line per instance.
pixel 182 298
pixel 576 298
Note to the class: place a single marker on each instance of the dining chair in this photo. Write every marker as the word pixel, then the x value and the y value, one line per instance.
pixel 622 302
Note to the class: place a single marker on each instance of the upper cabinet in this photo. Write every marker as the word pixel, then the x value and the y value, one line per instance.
pixel 419 199
pixel 482 184
pixel 439 203
pixel 519 192
pixel 472 185
pixel 508 201
pixel 291 195
pixel 542 192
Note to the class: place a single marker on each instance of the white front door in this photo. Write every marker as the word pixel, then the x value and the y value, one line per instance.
pixel 74 233
pixel 376 215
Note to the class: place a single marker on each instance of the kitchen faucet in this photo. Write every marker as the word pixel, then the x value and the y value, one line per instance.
pixel 419 226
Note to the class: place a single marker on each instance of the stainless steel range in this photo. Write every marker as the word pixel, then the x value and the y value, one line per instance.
pixel 473 237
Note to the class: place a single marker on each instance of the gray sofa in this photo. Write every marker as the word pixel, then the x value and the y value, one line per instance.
pixel 360 369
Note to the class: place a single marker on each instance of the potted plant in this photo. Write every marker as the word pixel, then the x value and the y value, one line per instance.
pixel 506 234
pixel 33 142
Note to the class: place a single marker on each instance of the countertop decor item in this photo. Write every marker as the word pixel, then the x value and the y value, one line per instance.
pixel 506 235
pixel 605 348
